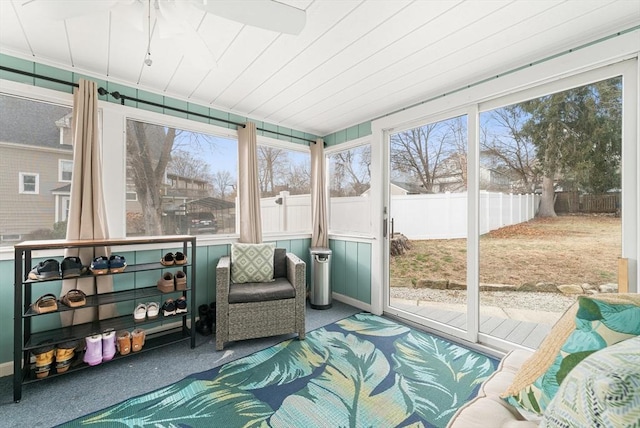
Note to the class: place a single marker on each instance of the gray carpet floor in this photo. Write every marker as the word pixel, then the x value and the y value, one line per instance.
pixel 63 398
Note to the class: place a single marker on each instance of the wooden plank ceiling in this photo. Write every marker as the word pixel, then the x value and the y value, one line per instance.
pixel 355 60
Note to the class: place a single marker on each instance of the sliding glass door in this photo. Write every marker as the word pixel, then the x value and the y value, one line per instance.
pixel 500 219
pixel 428 223
pixel 550 207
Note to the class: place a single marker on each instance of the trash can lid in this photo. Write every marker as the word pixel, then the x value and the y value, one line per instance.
pixel 320 250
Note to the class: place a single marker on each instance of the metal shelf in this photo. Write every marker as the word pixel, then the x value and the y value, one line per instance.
pixel 166 330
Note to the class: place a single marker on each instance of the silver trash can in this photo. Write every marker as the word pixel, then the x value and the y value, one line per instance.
pixel 320 290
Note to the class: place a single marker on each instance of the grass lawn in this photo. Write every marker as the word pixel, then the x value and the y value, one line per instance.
pixel 560 250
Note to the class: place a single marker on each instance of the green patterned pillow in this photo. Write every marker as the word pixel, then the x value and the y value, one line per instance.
pixel 599 323
pixel 252 263
pixel 602 391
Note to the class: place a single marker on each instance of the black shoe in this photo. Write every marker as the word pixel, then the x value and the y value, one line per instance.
pixel 211 316
pixel 72 267
pixel 169 308
pixel 202 327
pixel 203 310
pixel 181 305
pixel 48 269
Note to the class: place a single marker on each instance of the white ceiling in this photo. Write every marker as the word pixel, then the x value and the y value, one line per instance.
pixel 355 60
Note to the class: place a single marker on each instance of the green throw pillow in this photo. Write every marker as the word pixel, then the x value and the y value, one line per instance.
pixel 602 391
pixel 599 323
pixel 252 263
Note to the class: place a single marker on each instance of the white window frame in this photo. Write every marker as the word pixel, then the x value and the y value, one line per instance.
pixel 61 171
pixel 21 188
pixel 62 207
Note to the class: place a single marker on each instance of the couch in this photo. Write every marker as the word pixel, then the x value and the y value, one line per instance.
pixel 594 354
pixel 487 409
pixel 269 307
pixel 602 390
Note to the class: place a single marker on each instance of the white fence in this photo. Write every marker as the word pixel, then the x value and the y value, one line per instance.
pixel 436 216
pixel 444 215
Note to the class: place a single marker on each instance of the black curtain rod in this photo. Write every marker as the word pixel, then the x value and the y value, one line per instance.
pixel 38 76
pixel 118 96
pixel 122 98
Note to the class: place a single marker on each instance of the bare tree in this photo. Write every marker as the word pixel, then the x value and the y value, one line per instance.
pixel 222 181
pixel 427 152
pixel 272 164
pixel 505 148
pixel 185 164
pixel 299 178
pixel 150 149
pixel 351 173
pixel 148 153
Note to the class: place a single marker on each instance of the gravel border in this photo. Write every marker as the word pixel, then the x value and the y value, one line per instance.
pixel 549 302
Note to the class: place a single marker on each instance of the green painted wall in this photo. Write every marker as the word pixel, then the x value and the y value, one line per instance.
pixel 351 269
pixel 352 133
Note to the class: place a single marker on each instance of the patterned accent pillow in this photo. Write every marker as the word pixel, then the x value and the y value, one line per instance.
pixel 252 263
pixel 599 322
pixel 602 391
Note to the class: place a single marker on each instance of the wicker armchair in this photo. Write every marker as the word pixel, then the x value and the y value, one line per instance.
pixel 252 310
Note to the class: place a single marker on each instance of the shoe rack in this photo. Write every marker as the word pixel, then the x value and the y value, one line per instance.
pixel 162 330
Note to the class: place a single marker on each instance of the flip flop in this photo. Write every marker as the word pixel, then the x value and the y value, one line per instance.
pixel 44 304
pixel 74 298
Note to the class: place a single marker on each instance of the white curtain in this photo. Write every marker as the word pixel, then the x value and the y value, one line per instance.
pixel 87 213
pixel 319 222
pixel 248 187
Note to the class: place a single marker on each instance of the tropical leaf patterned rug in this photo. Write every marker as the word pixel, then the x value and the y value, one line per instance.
pixel 362 371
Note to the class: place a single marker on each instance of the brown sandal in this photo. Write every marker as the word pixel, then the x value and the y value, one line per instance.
pixel 74 298
pixel 44 304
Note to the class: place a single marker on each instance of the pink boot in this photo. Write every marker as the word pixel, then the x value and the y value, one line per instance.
pixel 93 353
pixel 108 345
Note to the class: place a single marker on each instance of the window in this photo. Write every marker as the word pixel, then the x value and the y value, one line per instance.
pixel 29 183
pixel 65 202
pixel 285 189
pixel 349 182
pixel 65 168
pixel 30 172
pixel 185 185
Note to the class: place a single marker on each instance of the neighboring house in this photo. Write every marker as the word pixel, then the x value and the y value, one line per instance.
pixel 36 157
pixel 402 188
pixel 452 177
pixel 494 180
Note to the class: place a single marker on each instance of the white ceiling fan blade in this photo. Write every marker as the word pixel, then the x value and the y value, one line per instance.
pixel 172 19
pixel 64 9
pixel 266 14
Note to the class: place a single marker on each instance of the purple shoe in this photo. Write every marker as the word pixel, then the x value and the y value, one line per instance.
pixel 108 345
pixel 93 353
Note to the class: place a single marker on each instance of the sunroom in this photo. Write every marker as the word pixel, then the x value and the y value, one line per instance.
pixel 436 122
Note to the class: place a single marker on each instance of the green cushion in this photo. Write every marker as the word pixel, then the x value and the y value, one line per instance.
pixel 598 324
pixel 251 263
